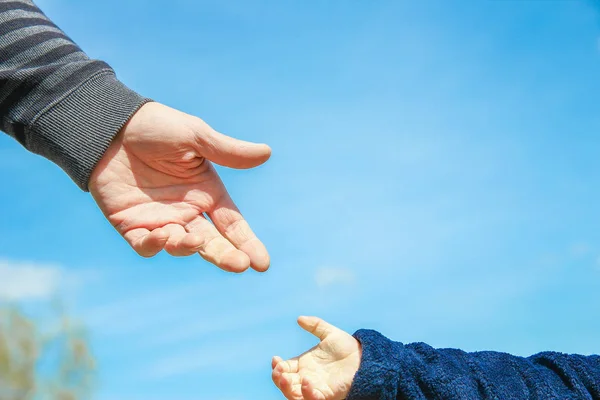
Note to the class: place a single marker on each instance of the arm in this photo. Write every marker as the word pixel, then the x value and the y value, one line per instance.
pixel 391 370
pixel 368 366
pixel 55 100
pixel 147 166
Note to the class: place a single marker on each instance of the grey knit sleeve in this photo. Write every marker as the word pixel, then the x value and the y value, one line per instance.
pixel 55 100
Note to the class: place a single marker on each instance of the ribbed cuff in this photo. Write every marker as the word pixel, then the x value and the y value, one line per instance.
pixel 377 376
pixel 75 132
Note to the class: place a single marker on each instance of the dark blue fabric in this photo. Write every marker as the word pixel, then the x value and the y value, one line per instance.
pixel 393 371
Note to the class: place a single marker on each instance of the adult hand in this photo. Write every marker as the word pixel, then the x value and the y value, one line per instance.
pixel 326 371
pixel 157 187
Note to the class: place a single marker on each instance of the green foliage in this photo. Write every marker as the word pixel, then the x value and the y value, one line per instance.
pixel 42 363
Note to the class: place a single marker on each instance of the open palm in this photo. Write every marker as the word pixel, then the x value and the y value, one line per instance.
pixel 326 371
pixel 158 188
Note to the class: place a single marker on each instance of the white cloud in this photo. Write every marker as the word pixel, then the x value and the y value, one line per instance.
pixel 27 281
pixel 21 281
pixel 325 277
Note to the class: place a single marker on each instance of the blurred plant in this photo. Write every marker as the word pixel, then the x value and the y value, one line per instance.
pixel 43 361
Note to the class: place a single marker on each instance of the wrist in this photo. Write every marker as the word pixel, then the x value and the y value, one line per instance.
pixel 376 370
pixel 76 132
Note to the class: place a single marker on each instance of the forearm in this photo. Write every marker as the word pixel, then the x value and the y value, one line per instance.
pixel 55 100
pixel 390 370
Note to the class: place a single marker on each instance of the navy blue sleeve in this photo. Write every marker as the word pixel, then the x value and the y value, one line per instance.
pixel 392 371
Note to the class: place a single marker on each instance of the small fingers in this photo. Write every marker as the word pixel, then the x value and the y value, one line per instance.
pixel 275 360
pixel 276 377
pixel 281 367
pixel 290 365
pixel 309 391
pixel 291 386
pixel 215 249
pixel 147 243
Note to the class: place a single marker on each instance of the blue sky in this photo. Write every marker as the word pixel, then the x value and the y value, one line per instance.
pixel 435 176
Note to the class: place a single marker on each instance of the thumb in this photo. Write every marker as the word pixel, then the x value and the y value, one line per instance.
pixel 316 326
pixel 229 152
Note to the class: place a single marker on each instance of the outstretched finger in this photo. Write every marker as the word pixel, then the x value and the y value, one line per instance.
pixel 232 225
pixel 215 249
pixel 316 326
pixel 147 243
pixel 310 392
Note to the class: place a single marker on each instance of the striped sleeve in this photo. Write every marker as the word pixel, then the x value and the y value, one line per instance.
pixel 54 99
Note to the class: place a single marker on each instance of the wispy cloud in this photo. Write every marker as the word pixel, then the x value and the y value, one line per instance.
pixel 326 277
pixel 32 281
pixel 194 361
pixel 138 311
pixel 166 315
pixel 580 249
pixel 243 355
pixel 21 281
pixel 249 316
pixel 113 396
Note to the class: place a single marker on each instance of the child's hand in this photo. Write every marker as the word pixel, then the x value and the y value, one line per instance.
pixel 326 371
